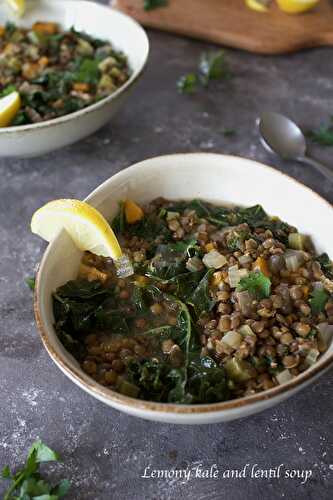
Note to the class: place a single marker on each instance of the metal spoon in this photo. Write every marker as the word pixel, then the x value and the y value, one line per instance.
pixel 282 136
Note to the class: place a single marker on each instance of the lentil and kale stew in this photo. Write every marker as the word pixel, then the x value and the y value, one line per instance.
pixel 57 72
pixel 224 303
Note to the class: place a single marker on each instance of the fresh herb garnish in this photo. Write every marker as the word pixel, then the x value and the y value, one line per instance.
pixel 188 84
pixel 31 282
pixel 154 4
pixel 257 284
pixel 318 300
pixel 323 135
pixel 213 66
pixel 28 484
pixel 87 71
pixel 229 132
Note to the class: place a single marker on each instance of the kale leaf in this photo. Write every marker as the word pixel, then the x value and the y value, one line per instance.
pixel 200 298
pixel 326 265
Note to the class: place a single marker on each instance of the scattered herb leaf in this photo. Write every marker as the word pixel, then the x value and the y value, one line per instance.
pixel 27 483
pixel 213 66
pixel 154 4
pixel 323 135
pixel 188 84
pixel 31 282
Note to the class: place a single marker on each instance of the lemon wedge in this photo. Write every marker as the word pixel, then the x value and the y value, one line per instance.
pixel 296 6
pixel 258 5
pixel 86 226
pixel 9 106
pixel 18 6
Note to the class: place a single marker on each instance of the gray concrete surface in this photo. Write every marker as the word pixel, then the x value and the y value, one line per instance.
pixel 105 453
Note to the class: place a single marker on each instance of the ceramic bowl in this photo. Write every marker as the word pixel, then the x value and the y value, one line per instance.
pixel 94 19
pixel 216 178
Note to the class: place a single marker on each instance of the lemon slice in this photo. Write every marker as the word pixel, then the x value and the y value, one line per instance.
pixel 296 6
pixel 18 6
pixel 9 106
pixel 86 226
pixel 258 5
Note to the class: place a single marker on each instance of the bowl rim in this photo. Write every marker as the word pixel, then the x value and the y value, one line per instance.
pixel 95 106
pixel 108 395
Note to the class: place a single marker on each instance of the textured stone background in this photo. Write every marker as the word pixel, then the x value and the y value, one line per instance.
pixel 105 452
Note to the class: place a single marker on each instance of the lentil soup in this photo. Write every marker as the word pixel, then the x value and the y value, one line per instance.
pixel 225 302
pixel 57 72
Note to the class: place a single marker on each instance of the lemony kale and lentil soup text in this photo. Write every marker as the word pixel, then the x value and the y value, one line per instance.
pixel 224 303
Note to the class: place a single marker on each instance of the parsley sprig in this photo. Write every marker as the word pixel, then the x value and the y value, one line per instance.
pixel 257 284
pixel 323 135
pixel 154 4
pixel 318 300
pixel 28 484
pixel 212 66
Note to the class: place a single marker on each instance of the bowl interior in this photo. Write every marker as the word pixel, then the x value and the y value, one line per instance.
pixel 97 20
pixel 217 178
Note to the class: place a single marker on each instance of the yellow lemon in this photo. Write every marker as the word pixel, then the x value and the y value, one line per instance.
pixel 9 106
pixel 296 6
pixel 86 226
pixel 258 5
pixel 17 5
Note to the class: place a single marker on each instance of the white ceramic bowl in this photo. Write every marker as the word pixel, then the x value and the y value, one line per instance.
pixel 102 22
pixel 217 178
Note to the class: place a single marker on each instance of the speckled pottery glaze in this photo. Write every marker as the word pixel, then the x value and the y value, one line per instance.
pixel 216 178
pixel 98 20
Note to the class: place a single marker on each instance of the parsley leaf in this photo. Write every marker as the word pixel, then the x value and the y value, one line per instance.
pixel 318 300
pixel 213 66
pixel 257 284
pixel 323 135
pixel 187 84
pixel 154 4
pixel 27 482
pixel 87 72
pixel 31 282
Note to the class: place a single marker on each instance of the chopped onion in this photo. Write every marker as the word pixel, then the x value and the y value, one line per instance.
pixel 194 264
pixel 246 331
pixel 311 357
pixel 284 377
pixel 232 339
pixel 235 275
pixel 317 285
pixel 172 215
pixel 325 332
pixel 244 301
pixel 244 260
pixel 123 267
pixel 294 259
pixel 214 259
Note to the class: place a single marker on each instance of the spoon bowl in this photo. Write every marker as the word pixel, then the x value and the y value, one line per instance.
pixel 281 136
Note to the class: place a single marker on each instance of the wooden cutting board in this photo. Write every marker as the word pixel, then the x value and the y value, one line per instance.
pixel 230 22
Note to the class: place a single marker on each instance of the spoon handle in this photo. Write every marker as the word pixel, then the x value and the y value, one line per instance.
pixel 318 166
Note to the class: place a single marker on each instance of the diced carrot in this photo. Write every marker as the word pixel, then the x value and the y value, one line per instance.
pixel 141 280
pixel 306 291
pixel 261 265
pixel 43 61
pixel 209 246
pixel 133 212
pixel 2 31
pixel 81 87
pixel 30 70
pixel 47 28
